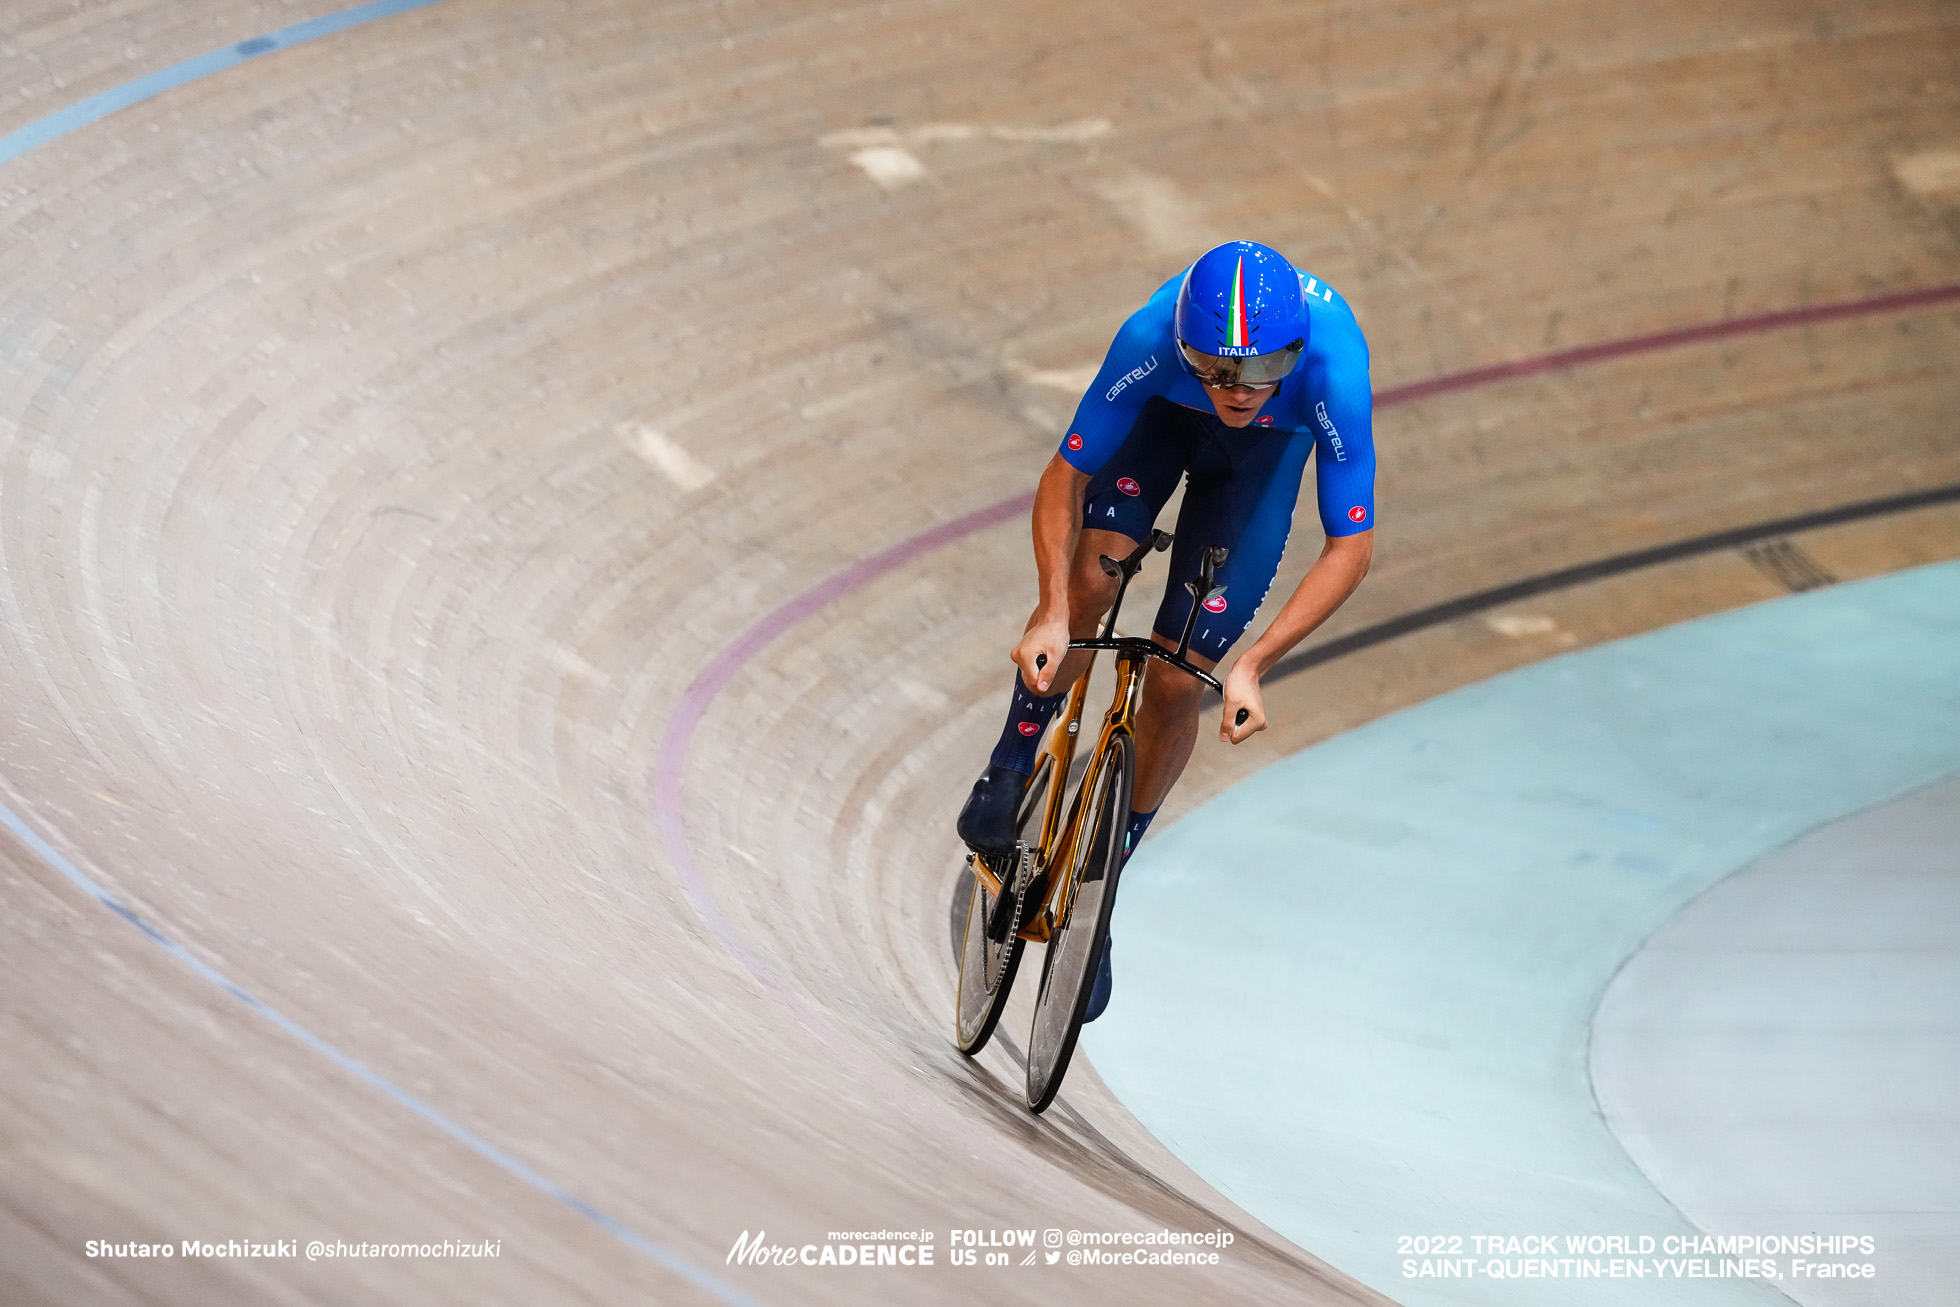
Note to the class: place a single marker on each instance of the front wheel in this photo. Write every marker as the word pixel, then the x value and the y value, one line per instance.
pixel 1068 973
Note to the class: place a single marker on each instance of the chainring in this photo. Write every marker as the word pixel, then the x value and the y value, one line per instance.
pixel 998 950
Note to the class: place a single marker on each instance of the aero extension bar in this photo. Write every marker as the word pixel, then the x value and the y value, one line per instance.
pixel 1201 589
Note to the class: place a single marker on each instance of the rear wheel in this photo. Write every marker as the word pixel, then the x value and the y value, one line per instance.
pixel 1068 973
pixel 987 932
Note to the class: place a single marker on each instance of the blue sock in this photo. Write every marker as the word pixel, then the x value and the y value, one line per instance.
pixel 1027 717
pixel 1100 991
pixel 1139 823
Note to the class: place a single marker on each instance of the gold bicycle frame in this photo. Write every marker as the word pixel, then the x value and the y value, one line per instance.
pixel 1057 844
pixel 1056 847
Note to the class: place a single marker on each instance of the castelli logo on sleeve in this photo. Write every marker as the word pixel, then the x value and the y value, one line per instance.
pixel 1357 514
pixel 1129 486
pixel 1134 374
pixel 1074 440
pixel 1215 604
pixel 1030 728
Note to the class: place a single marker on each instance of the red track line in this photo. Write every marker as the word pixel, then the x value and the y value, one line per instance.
pixel 1614 349
pixel 671 758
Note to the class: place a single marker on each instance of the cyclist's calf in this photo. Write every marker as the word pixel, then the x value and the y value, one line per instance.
pixel 1167 729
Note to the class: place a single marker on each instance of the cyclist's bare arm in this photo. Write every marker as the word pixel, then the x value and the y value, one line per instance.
pixel 1057 523
pixel 1342 563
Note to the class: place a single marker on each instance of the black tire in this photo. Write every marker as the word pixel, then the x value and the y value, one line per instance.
pixel 987 942
pixel 1068 972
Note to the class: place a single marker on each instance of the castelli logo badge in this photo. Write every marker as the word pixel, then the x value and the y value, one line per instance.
pixel 1264 419
pixel 1357 514
pixel 1128 486
pixel 1029 728
pixel 1215 604
pixel 1074 440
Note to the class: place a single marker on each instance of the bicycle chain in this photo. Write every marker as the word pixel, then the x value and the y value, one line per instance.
pixel 997 955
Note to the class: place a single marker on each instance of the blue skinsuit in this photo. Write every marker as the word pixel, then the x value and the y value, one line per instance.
pixel 1146 422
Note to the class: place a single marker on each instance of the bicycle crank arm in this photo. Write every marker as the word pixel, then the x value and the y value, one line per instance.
pixel 983 873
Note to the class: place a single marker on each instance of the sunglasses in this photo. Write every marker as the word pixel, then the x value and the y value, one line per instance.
pixel 1256 372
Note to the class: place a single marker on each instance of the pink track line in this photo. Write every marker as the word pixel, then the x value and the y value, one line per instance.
pixel 1707 331
pixel 671 757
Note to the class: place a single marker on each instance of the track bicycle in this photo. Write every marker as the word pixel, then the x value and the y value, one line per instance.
pixel 1058 888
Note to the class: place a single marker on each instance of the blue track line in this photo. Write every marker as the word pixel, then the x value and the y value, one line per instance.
pixel 81 114
pixel 58 124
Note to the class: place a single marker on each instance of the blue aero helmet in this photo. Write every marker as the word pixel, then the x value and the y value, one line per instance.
pixel 1241 317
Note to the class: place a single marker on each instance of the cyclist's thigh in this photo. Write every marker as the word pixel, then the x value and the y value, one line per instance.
pixel 1250 512
pixel 1136 483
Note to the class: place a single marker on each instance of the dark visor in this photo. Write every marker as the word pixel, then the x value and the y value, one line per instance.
pixel 1258 370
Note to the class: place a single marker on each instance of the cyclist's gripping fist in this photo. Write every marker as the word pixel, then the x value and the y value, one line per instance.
pixel 1245 708
pixel 1039 655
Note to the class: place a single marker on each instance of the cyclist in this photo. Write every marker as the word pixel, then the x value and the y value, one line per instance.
pixel 1270 368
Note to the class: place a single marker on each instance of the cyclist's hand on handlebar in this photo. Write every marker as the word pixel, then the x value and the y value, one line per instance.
pixel 1245 708
pixel 1039 655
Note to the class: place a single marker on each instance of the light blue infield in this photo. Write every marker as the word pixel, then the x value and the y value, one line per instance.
pixel 1355 991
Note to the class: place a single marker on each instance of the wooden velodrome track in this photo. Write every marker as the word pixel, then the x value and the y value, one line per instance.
pixel 400 433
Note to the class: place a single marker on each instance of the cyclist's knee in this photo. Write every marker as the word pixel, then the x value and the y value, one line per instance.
pixel 1171 691
pixel 1090 592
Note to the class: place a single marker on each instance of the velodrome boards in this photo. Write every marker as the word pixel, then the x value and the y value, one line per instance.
pixel 503 557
